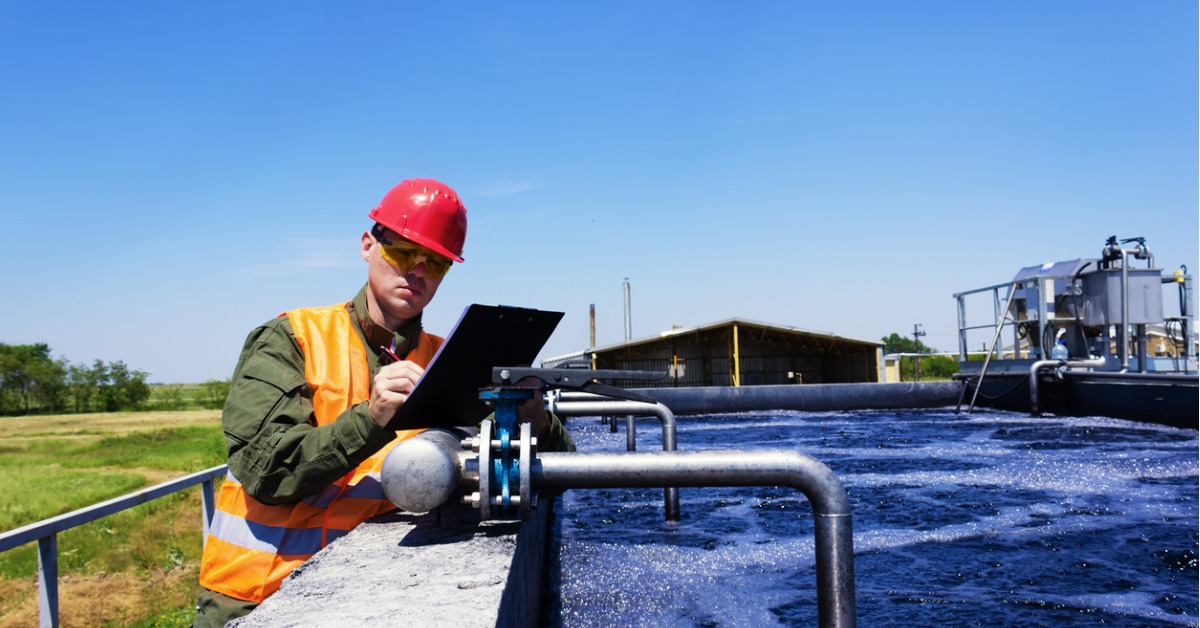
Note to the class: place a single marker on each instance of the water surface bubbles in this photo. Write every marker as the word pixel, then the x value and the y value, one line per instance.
pixel 987 519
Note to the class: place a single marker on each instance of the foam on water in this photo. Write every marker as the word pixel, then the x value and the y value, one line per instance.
pixel 984 519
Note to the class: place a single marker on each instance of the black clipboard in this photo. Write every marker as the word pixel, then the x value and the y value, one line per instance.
pixel 485 336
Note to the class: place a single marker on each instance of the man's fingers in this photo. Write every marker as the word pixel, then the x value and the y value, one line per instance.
pixel 390 389
pixel 401 371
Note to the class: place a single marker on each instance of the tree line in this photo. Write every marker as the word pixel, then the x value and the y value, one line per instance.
pixel 33 382
pixel 912 369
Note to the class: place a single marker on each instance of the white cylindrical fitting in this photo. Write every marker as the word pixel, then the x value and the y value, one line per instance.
pixel 424 471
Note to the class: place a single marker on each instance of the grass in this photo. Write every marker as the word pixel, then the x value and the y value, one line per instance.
pixel 135 568
pixel 178 397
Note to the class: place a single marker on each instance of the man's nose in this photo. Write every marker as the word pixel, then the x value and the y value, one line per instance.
pixel 418 267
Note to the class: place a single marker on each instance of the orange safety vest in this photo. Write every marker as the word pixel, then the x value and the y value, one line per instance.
pixel 252 546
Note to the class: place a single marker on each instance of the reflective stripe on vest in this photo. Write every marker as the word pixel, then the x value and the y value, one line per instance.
pixel 252 546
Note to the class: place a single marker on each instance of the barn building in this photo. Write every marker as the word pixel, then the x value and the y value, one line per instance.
pixel 738 352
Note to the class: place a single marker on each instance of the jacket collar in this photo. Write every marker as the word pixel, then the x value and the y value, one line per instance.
pixel 403 339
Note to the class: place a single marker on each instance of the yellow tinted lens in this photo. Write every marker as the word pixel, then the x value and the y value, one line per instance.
pixel 406 258
pixel 437 266
pixel 397 257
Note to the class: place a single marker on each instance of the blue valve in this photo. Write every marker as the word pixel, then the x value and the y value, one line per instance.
pixel 505 471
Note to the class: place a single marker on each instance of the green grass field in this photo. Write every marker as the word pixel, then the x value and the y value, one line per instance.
pixel 134 568
pixel 167 397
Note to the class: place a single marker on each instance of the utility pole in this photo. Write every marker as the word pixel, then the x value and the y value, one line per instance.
pixel 917 333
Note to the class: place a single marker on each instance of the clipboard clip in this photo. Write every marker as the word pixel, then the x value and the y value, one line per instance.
pixel 583 380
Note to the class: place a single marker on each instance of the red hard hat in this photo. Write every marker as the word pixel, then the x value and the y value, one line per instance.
pixel 427 212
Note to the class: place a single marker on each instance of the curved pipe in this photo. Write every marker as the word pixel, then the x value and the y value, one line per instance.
pixel 587 404
pixel 833 527
pixel 1038 366
pixel 1124 335
pixel 576 404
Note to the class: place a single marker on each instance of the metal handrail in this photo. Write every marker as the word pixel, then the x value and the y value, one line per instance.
pixel 995 342
pixel 45 532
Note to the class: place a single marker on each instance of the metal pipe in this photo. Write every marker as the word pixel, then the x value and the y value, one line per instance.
pixel 1142 340
pixel 1045 289
pixel 425 471
pixel 1188 312
pixel 1042 364
pixel 1147 377
pixel 1123 335
pixel 833 527
pixel 807 397
pixel 586 404
pixel 962 327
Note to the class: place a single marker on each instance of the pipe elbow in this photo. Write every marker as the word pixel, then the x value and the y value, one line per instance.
pixel 823 488
pixel 1037 367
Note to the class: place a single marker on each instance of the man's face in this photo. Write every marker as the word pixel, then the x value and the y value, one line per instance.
pixel 395 293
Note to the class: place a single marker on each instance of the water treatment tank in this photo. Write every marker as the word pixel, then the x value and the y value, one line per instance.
pixel 1102 297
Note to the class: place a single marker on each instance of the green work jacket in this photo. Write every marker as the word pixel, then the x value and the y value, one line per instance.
pixel 275 448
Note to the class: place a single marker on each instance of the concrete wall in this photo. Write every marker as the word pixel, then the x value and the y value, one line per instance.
pixel 419 570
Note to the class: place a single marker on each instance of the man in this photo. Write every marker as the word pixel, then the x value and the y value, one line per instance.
pixel 311 396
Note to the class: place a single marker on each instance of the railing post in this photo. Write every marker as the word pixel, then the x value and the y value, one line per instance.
pixel 48 581
pixel 45 532
pixel 207 510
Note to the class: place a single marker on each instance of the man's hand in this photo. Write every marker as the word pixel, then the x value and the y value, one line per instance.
pixel 391 388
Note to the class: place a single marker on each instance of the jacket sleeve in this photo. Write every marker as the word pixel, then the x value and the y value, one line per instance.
pixel 275 448
pixel 559 438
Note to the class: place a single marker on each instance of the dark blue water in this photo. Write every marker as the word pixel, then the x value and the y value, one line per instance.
pixel 989 519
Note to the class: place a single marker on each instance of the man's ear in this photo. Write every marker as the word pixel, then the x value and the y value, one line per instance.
pixel 367 241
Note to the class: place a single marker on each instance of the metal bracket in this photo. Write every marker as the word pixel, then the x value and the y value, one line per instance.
pixel 579 379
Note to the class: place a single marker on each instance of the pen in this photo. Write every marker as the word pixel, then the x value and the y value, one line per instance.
pixel 391 351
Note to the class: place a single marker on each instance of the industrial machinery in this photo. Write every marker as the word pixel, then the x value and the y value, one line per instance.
pixel 1088 336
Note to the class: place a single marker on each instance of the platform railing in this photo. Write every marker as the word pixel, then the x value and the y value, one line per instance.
pixel 45 532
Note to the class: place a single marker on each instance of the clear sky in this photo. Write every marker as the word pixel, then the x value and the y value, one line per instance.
pixel 174 173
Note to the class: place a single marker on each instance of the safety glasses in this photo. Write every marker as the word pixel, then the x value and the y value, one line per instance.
pixel 405 256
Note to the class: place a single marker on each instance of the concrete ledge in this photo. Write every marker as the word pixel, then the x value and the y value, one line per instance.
pixel 414 570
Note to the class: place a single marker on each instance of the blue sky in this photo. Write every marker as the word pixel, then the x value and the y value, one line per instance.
pixel 173 174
